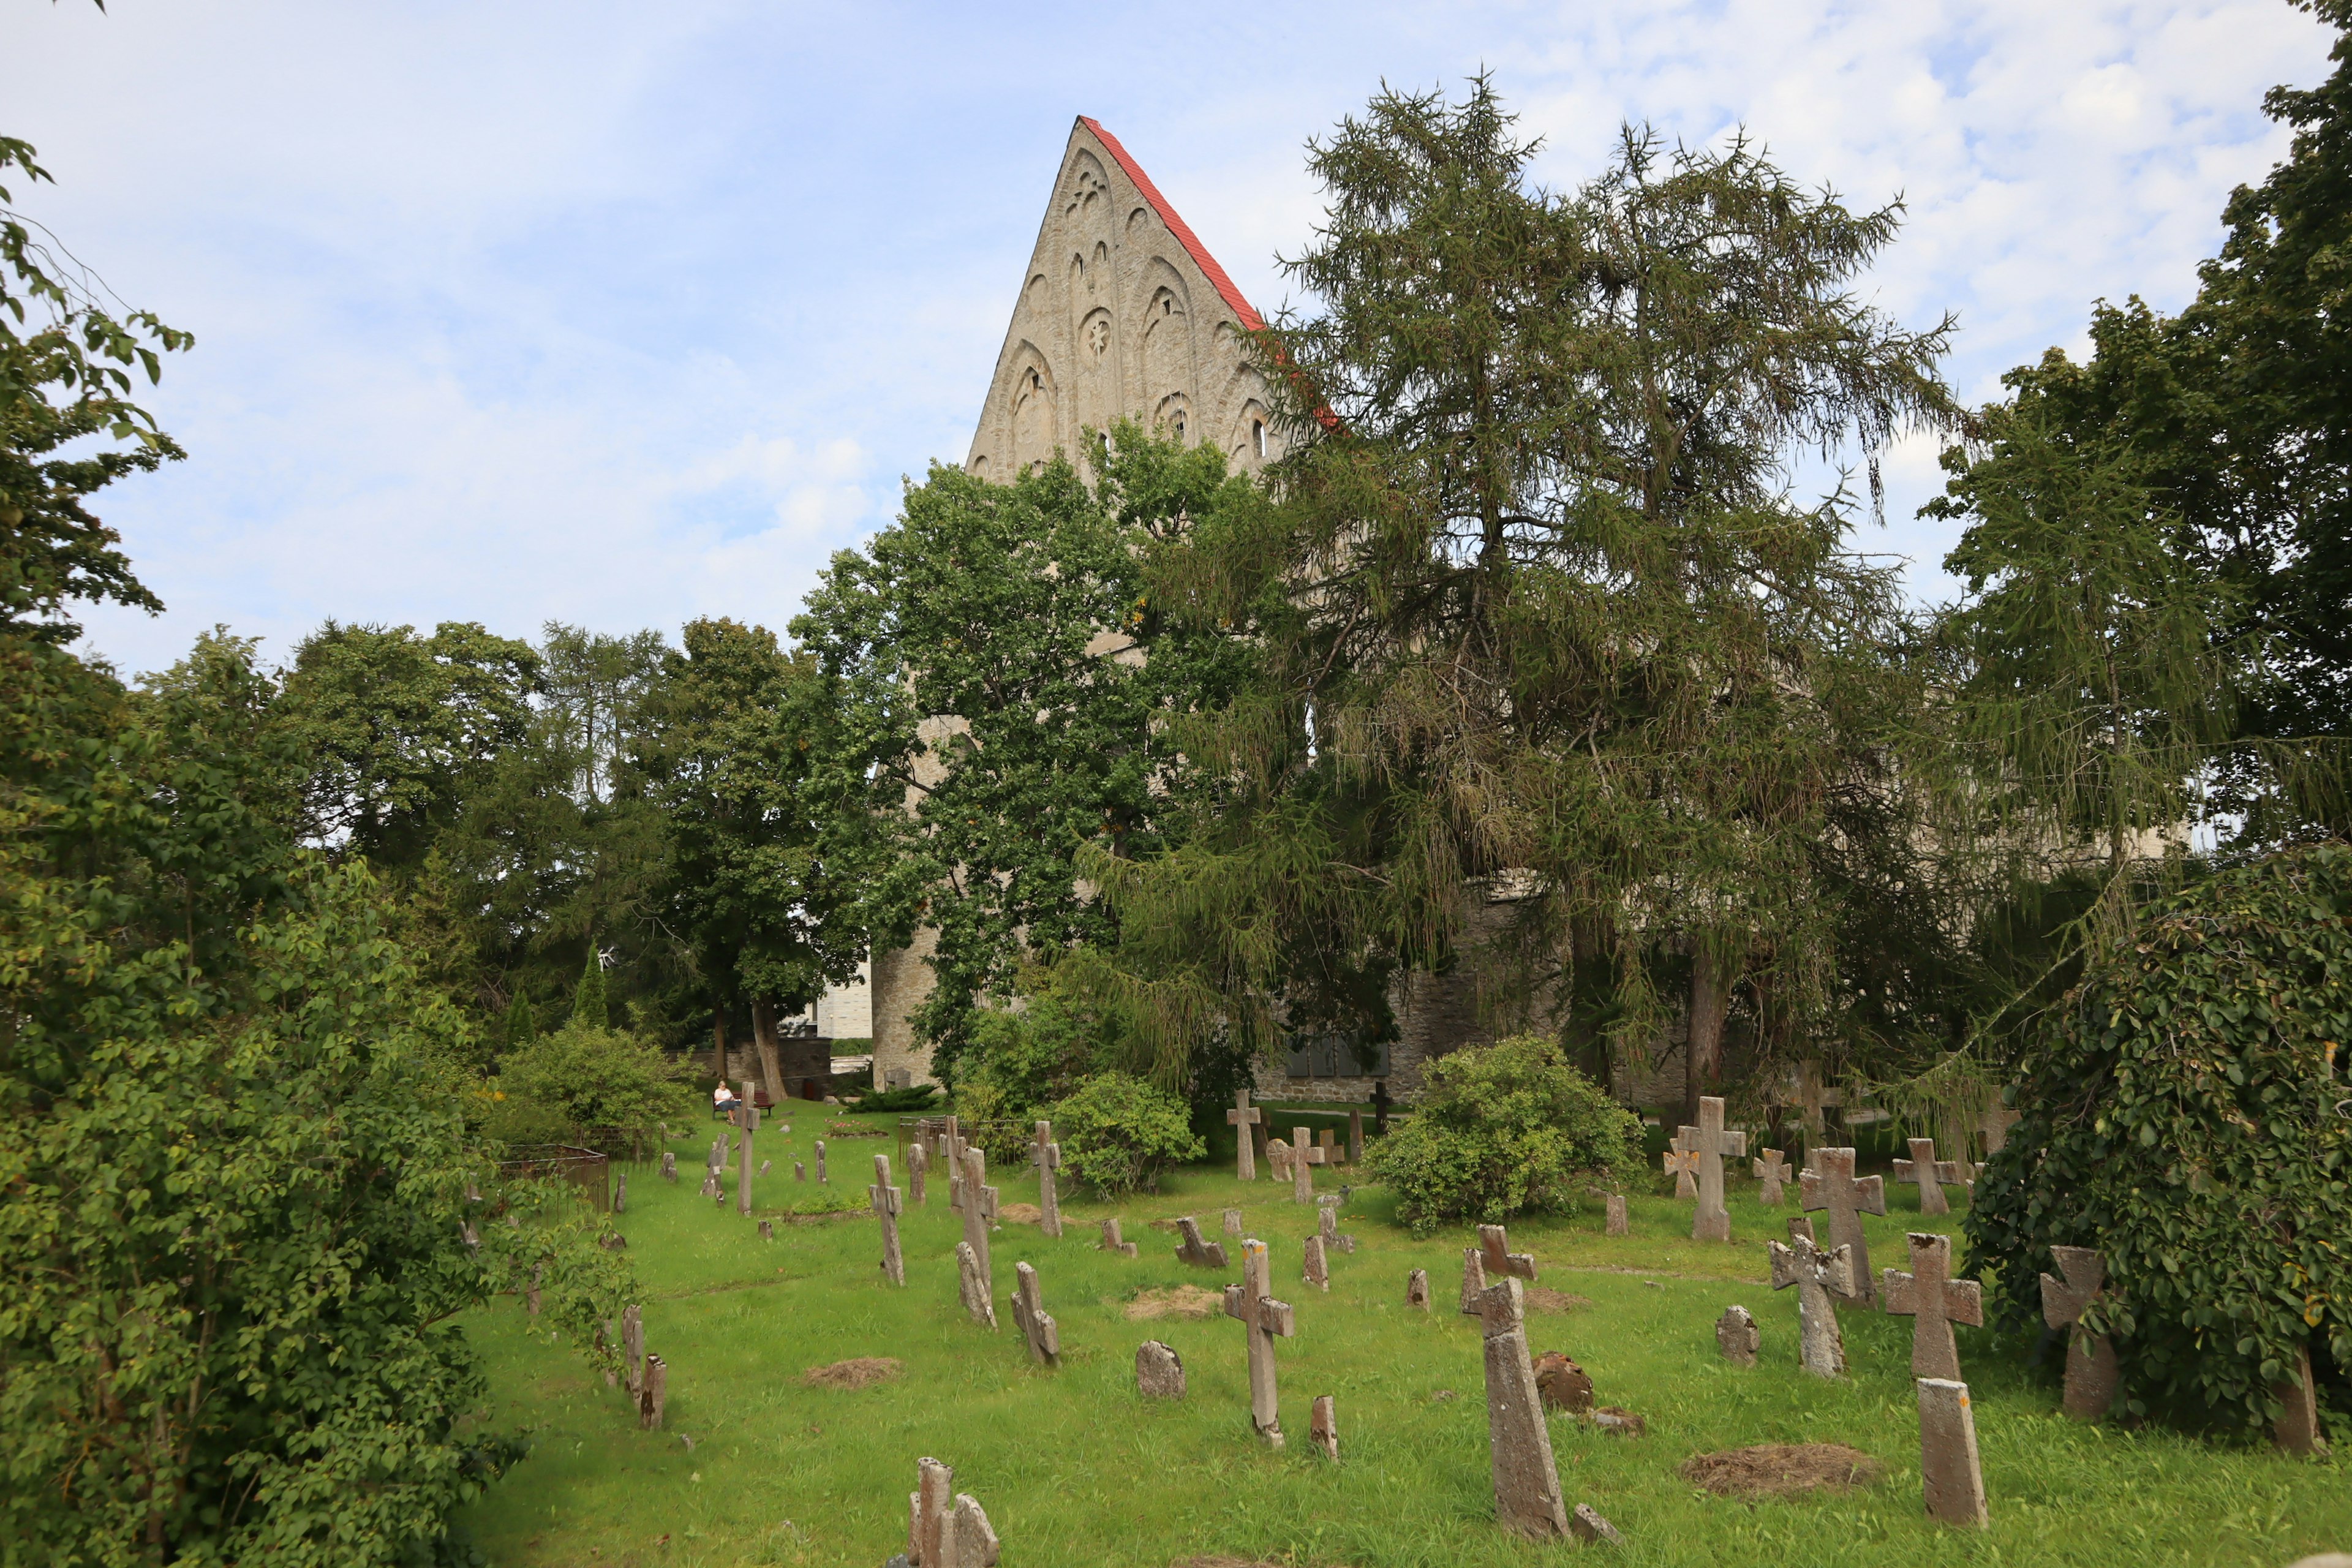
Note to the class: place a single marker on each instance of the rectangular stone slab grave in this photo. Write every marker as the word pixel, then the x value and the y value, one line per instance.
pixel 1681 1161
pixel 919 1165
pixel 1713 1145
pixel 2091 1375
pixel 1251 1303
pixel 1196 1251
pixel 1112 1241
pixel 1029 1314
pixel 977 1278
pixel 1323 1427
pixel 1232 1222
pixel 1818 1275
pixel 1527 1479
pixel 1327 1226
pixel 1313 1268
pixel 1950 1478
pixel 952 1148
pixel 944 1534
pixel 1829 1183
pixel 1046 1155
pixel 1416 1289
pixel 633 1346
pixel 883 1198
pixel 2297 1430
pixel 1617 1223
pixel 1771 1169
pixel 1242 1118
pixel 1934 1301
pixel 621 1193
pixel 1304 1157
pixel 1931 1175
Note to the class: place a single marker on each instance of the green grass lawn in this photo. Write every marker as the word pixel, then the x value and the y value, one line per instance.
pixel 1077 1471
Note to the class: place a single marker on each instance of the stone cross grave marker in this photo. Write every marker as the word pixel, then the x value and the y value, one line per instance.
pixel 1037 1324
pixel 1112 1241
pixel 1681 1161
pixel 1934 1301
pixel 972 1252
pixel 941 1533
pixel 2091 1375
pixel 1244 1116
pixel 1831 1185
pixel 1736 1336
pixel 1617 1223
pixel 1232 1222
pixel 1713 1144
pixel 952 1148
pixel 1496 1254
pixel 670 1165
pixel 1327 1226
pixel 820 1163
pixel 747 1117
pixel 1251 1303
pixel 1354 1138
pixel 1195 1251
pixel 1328 1150
pixel 1159 1371
pixel 1994 1126
pixel 1323 1427
pixel 1304 1157
pixel 2297 1430
pixel 1416 1289
pixel 1046 1155
pixel 919 1165
pixel 1474 1280
pixel 1771 1170
pixel 1817 1275
pixel 973 1286
pixel 1313 1267
pixel 1527 1479
pixel 1930 1173
pixel 1949 1476
pixel 884 1199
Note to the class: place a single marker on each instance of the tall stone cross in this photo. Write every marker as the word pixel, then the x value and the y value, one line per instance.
pixel 1817 1275
pixel 1830 1185
pixel 953 1146
pixel 1245 1116
pixel 1252 1304
pixel 1771 1170
pixel 976 1274
pixel 1934 1301
pixel 1930 1173
pixel 1046 1155
pixel 1304 1157
pixel 2091 1371
pixel 1495 1255
pixel 747 1113
pixel 884 1198
pixel 1681 1161
pixel 1527 1478
pixel 1711 1144
pixel 1037 1324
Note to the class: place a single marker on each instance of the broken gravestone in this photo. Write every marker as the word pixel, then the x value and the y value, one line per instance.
pixel 1037 1324
pixel 1327 1226
pixel 1818 1275
pixel 1196 1251
pixel 1159 1371
pixel 1313 1267
pixel 1323 1427
pixel 1562 1385
pixel 1527 1478
pixel 1416 1289
pixel 1112 1241
pixel 1736 1336
pixel 941 1533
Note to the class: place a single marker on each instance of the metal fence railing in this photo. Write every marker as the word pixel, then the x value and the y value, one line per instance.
pixel 585 1169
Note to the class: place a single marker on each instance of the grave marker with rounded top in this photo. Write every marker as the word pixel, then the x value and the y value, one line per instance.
pixel 1771 1169
pixel 1416 1289
pixel 1278 1159
pixel 883 1198
pixel 1736 1336
pixel 1232 1222
pixel 820 1163
pixel 2092 1374
pixel 1046 1155
pixel 1830 1185
pixel 1617 1223
pixel 919 1163
pixel 1817 1275
pixel 621 1193
pixel 1313 1268
pixel 1949 1475
pixel 1930 1173
pixel 1159 1371
pixel 1252 1304
pixel 1934 1301
pixel 670 1165
pixel 1029 1314
pixel 1527 1479
pixel 1323 1427
pixel 1195 1251
pixel 1243 1117
pixel 1112 1242
pixel 1712 1145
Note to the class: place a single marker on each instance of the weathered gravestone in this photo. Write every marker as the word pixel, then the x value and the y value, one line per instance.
pixel 1526 1481
pixel 1949 1476
pixel 1614 1205
pixel 1304 1158
pixel 1278 1159
pixel 1323 1427
pixel 1416 1289
pixel 767 1230
pixel 820 1163
pixel 1251 1303
pixel 1680 1161
pixel 1046 1155
pixel 633 1346
pixel 919 1165
pixel 1800 1225
pixel 764 1165
pixel 1771 1169
pixel 883 1198
pixel 1244 1116
pixel 653 1393
pixel 1029 1314
pixel 2092 1374
pixel 1498 1259
pixel 952 1149
pixel 800 1171
pixel 944 1534
pixel 1111 1240
pixel 1159 1371
pixel 1736 1336
pixel 1712 1145
pixel 1474 1280
pixel 1313 1267
pixel 1562 1385
pixel 1993 1127
pixel 1818 1275
pixel 747 1117
pixel 1232 1222
pixel 1327 1226
pixel 1830 1185
pixel 972 1252
pixel 2297 1430
pixel 973 1286
pixel 1354 1138
pixel 1930 1173
pixel 1934 1301
pixel 670 1165
pixel 621 1193
pixel 1591 1528
pixel 1195 1251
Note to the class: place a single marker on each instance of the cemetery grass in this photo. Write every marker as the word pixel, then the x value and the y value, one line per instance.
pixel 1074 1469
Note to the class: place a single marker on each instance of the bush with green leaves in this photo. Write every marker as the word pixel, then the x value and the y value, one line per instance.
pixel 1021 1061
pixel 1118 1133
pixel 2185 1114
pixel 1503 1131
pixel 583 1084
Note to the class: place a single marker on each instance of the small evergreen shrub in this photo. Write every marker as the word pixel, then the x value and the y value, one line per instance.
pixel 582 1081
pixel 1118 1133
pixel 2185 1113
pixel 1503 1131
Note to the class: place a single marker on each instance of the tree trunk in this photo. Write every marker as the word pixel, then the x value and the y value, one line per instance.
pixel 763 1036
pixel 719 1041
pixel 1703 1057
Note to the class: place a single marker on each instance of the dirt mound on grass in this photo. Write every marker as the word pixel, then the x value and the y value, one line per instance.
pixel 857 1372
pixel 1020 1214
pixel 1778 1470
pixel 1176 1302
pixel 1543 1298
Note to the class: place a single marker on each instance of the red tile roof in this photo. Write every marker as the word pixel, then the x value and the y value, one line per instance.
pixel 1207 263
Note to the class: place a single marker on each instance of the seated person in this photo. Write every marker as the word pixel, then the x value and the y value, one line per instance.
pixel 722 1100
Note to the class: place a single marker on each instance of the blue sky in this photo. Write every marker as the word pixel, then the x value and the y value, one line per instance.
pixel 623 314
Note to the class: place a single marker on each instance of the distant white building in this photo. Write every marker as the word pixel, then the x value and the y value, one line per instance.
pixel 846 1012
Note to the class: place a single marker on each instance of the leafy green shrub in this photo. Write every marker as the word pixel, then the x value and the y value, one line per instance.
pixel 909 1101
pixel 1020 1062
pixel 583 1082
pixel 2183 1113
pixel 1118 1133
pixel 1504 1130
